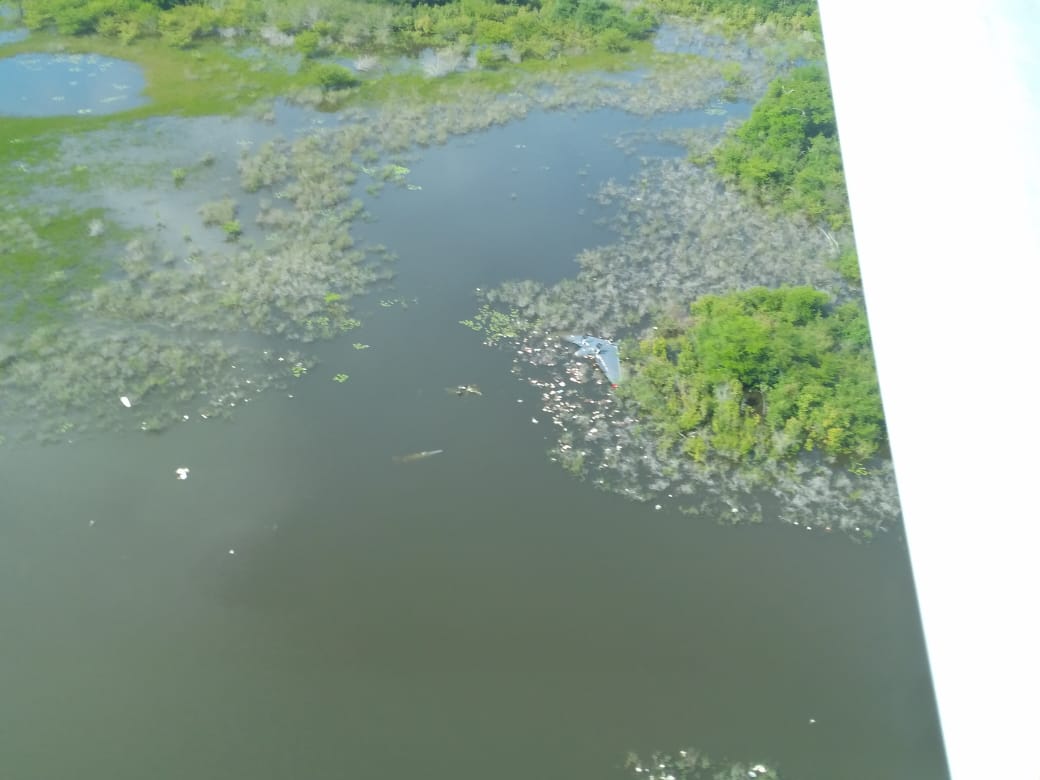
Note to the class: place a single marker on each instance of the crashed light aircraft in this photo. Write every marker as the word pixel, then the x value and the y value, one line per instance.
pixel 605 352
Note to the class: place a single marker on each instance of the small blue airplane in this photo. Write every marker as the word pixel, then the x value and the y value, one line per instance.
pixel 605 353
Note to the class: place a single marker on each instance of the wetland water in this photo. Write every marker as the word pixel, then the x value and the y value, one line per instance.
pixel 479 613
pixel 53 84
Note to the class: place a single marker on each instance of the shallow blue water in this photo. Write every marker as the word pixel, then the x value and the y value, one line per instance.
pixel 13 36
pixel 59 84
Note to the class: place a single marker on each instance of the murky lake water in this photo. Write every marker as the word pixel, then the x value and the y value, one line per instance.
pixel 479 613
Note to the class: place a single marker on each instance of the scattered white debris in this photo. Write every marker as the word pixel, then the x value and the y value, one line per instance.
pixel 812 720
pixel 231 551
pixel 519 400
pixel 185 418
pixel 657 507
pixel 534 420
pixel 759 768
pixel 182 472
pixel 735 510
pixel 125 401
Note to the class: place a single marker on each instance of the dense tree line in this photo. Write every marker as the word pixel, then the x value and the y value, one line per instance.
pixel 762 375
pixel 743 14
pixel 787 152
pixel 536 29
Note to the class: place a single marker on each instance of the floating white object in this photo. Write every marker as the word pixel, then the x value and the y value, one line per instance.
pixel 182 472
pixel 124 401
pixel 231 552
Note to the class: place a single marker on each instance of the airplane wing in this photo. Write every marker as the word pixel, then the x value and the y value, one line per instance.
pixel 610 362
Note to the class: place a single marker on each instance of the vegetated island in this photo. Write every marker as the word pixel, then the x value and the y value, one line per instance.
pixel 752 390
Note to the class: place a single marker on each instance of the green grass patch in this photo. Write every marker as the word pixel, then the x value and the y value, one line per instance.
pixel 45 258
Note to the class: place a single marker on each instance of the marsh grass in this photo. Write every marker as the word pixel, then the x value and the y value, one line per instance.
pixel 46 255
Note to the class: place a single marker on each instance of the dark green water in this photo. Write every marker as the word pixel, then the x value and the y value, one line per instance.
pixel 476 614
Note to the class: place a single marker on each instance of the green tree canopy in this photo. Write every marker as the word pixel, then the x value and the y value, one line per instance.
pixel 763 374
pixel 787 152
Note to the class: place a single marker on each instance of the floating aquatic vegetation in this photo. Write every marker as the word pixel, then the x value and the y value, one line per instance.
pixel 71 380
pixel 232 229
pixel 494 325
pixel 218 212
pixel 692 764
pixel 341 378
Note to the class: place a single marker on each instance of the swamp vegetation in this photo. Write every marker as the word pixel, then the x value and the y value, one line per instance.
pixel 255 237
pixel 165 265
pixel 270 252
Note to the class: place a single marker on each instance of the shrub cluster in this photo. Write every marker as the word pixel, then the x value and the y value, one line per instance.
pixel 763 374
pixel 787 152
